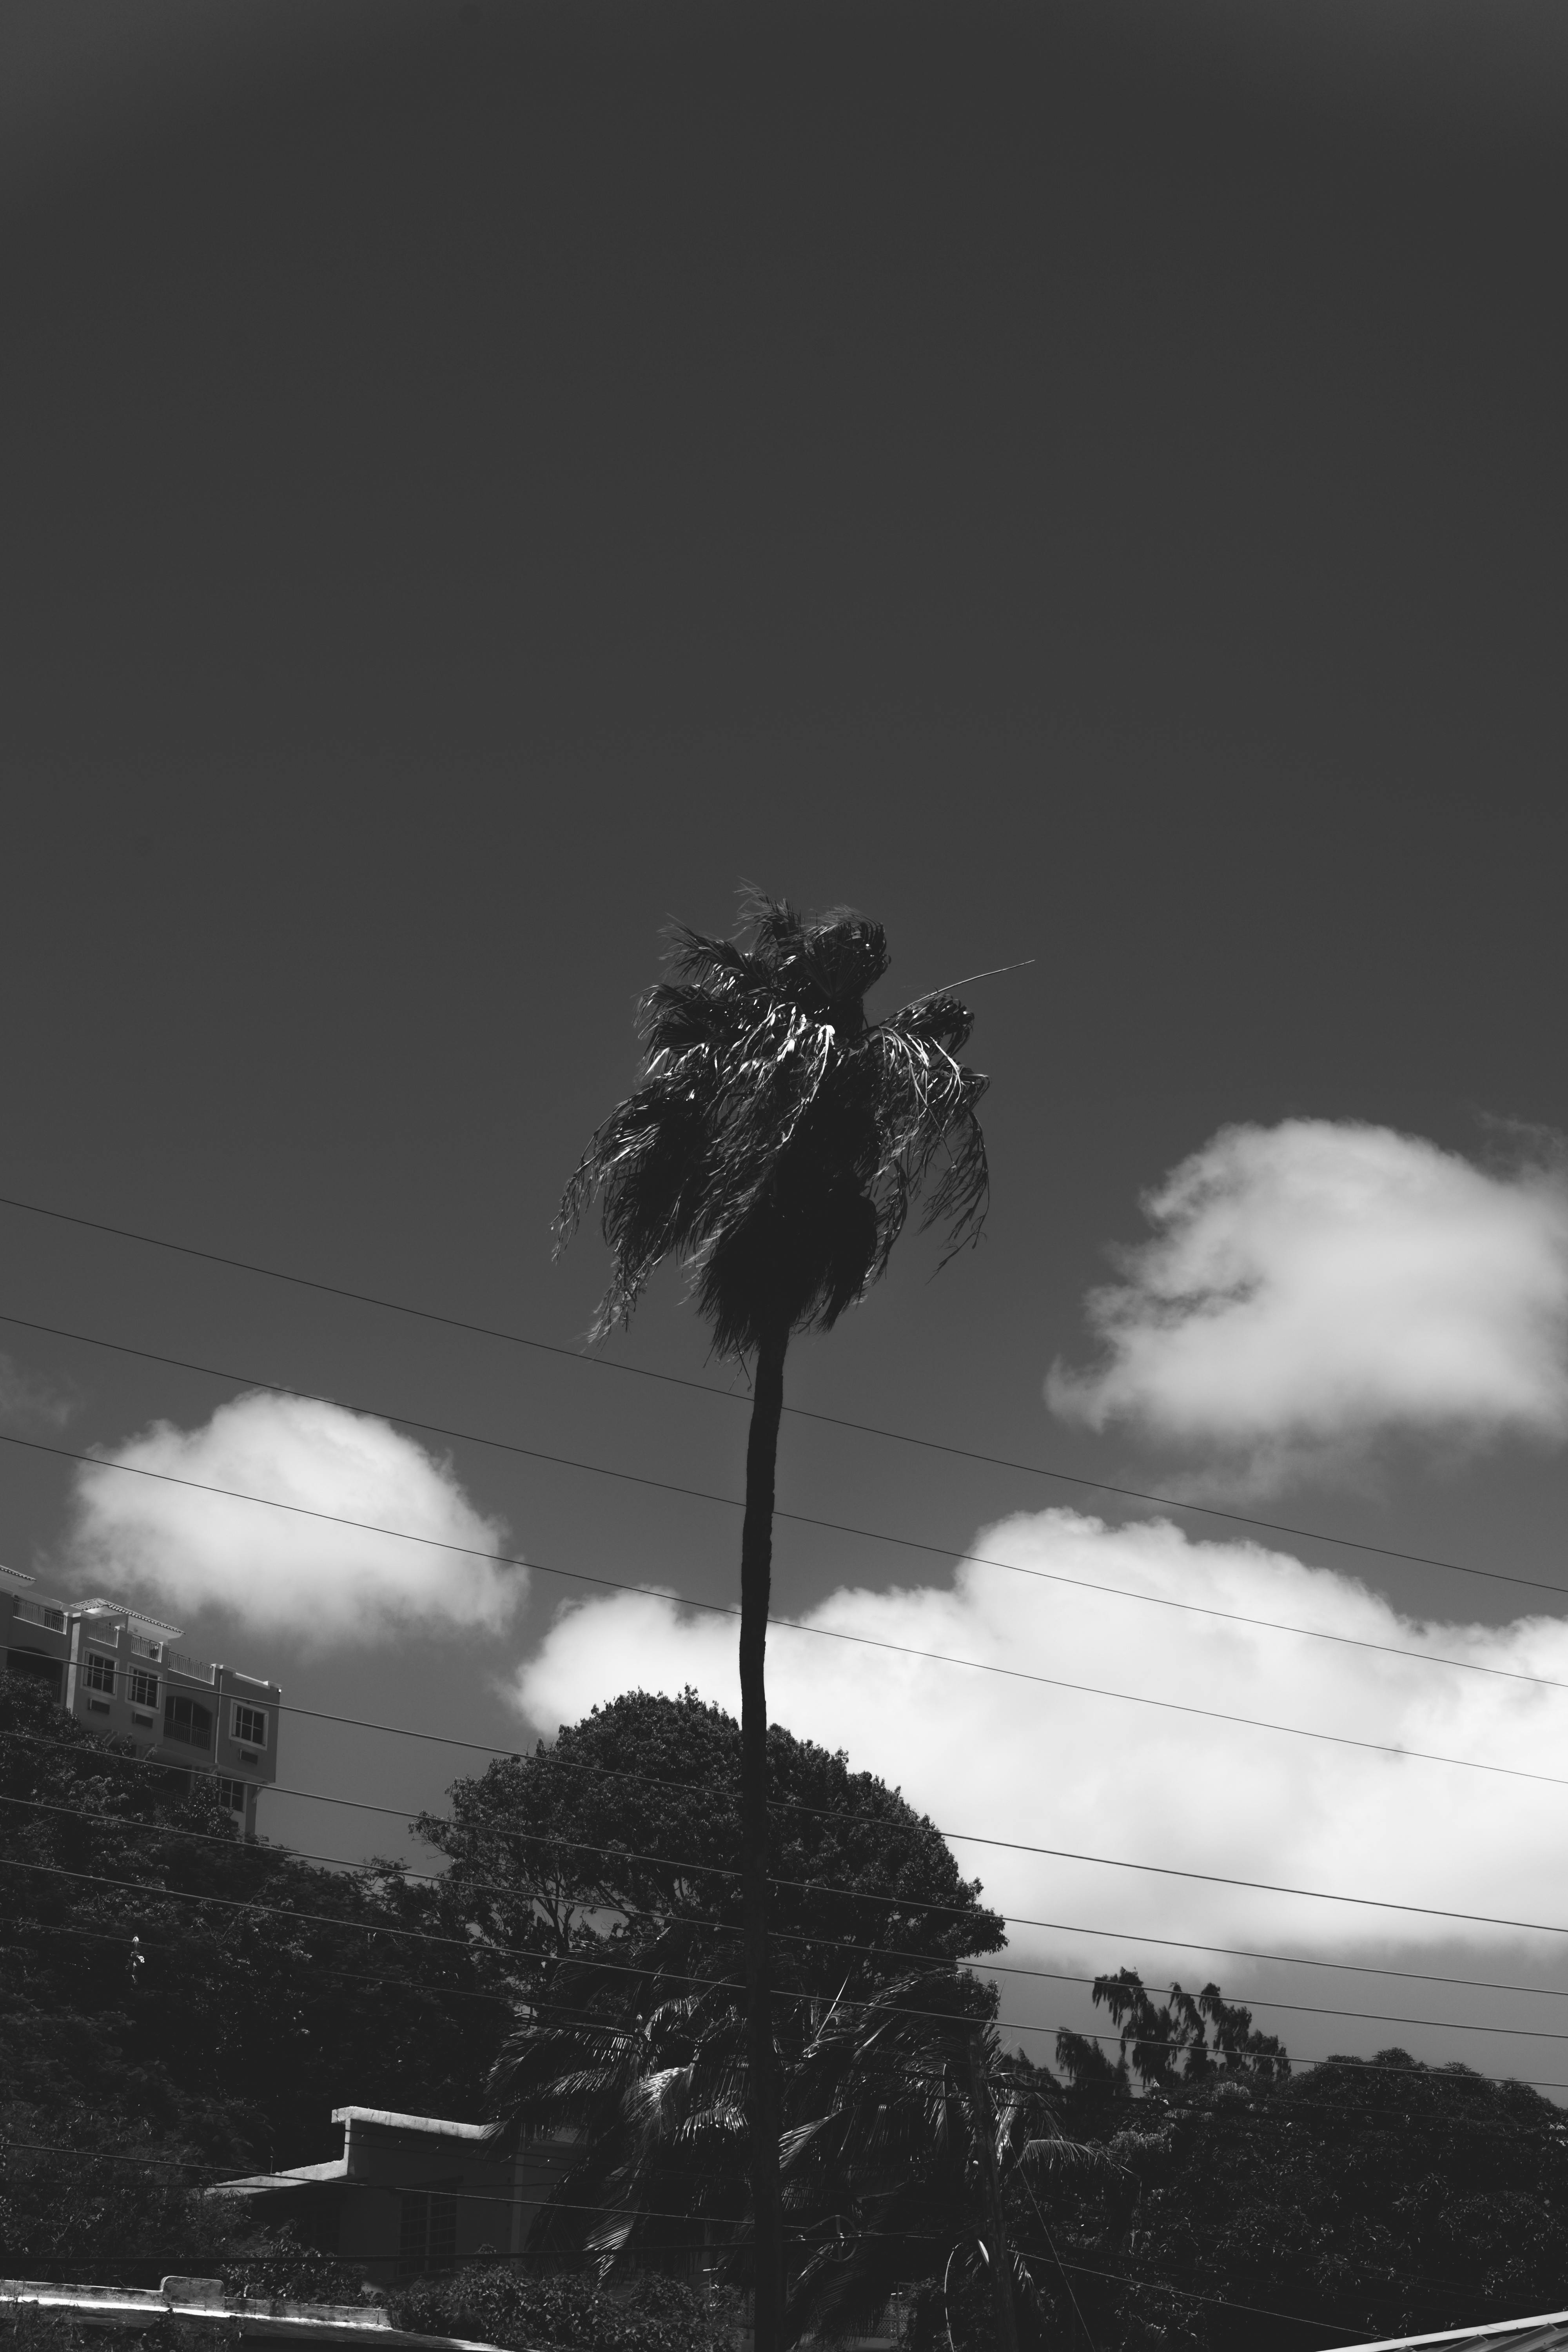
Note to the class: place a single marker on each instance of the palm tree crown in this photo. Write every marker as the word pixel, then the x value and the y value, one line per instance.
pixel 777 1141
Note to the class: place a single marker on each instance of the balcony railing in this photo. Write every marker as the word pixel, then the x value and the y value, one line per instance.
pixel 195 1670
pixel 35 1612
pixel 141 1647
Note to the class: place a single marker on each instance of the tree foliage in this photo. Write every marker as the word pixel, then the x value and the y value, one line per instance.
pixel 526 2312
pixel 778 1139
pixel 1358 2196
pixel 178 1995
pixel 609 1862
pixel 621 1840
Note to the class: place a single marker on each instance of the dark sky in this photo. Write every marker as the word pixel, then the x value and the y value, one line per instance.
pixel 1079 481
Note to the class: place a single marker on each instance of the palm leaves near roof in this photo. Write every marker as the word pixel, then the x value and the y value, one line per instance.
pixel 894 2108
pixel 776 1147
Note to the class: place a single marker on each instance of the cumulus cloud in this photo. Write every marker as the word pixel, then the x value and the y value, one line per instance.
pixel 280 1570
pixel 1047 1765
pixel 1311 1286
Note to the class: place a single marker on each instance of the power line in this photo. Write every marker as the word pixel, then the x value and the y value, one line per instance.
pixel 1212 1878
pixel 1056 1926
pixel 1253 2118
pixel 808 1519
pixel 795 1625
pixel 991 1967
pixel 906 2237
pixel 798 1412
pixel 933 1963
pixel 982 1962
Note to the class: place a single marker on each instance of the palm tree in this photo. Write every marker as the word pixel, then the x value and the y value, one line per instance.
pixel 904 2122
pixel 774 1147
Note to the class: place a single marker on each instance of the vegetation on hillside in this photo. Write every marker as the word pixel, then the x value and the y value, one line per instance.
pixel 1189 2192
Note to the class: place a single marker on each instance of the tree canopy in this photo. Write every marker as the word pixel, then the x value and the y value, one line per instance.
pixel 198 2004
pixel 1355 2197
pixel 778 1138
pixel 624 1834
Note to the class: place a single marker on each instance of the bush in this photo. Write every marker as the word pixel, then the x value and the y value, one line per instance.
pixel 534 2312
pixel 274 2264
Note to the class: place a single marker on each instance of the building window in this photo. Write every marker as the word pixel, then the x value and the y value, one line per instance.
pixel 249 1726
pixel 231 1795
pixel 186 1722
pixel 427 2234
pixel 143 1687
pixel 100 1672
pixel 442 2252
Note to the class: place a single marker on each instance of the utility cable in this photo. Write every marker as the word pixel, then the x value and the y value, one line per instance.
pixel 594 1965
pixel 933 1963
pixel 805 2238
pixel 906 2237
pixel 807 1519
pixel 986 1964
pixel 798 1412
pixel 1111 1862
pixel 823 1812
pixel 1157 1869
pixel 791 1624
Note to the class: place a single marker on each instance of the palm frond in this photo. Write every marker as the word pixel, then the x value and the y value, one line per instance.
pixel 775 1144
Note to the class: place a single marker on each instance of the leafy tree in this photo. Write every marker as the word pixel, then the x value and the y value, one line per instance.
pixel 1194 2038
pixel 176 1992
pixel 628 1827
pixel 774 1147
pixel 1376 2197
pixel 609 1862
pixel 1381 2196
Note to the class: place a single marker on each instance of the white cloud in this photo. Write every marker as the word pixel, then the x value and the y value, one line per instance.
pixel 280 1570
pixel 1016 1759
pixel 1311 1286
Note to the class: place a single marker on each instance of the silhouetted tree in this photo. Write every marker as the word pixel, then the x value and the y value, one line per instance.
pixel 774 1147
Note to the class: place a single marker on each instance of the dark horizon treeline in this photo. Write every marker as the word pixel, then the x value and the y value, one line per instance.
pixel 1194 2174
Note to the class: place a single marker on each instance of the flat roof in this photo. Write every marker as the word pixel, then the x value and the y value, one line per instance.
pixel 438 2125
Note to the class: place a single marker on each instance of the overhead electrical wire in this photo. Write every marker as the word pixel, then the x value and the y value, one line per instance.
pixel 906 2237
pixel 875 1535
pixel 793 1625
pixel 933 1963
pixel 807 1519
pixel 1169 1870
pixel 1059 1927
pixel 798 1412
pixel 990 1967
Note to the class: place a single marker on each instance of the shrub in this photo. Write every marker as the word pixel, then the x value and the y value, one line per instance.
pixel 531 2311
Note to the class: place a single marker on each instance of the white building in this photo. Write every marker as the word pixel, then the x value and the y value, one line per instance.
pixel 119 1671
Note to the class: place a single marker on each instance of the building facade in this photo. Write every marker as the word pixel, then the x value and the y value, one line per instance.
pixel 118 1670
pixel 413 2194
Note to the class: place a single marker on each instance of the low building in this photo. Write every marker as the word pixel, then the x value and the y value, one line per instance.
pixel 412 2194
pixel 118 1670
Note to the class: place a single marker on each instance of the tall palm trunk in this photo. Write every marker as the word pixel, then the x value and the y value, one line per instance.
pixel 999 2264
pixel 756 1574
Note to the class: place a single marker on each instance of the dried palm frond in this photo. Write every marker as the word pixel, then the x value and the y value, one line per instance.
pixel 777 1142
